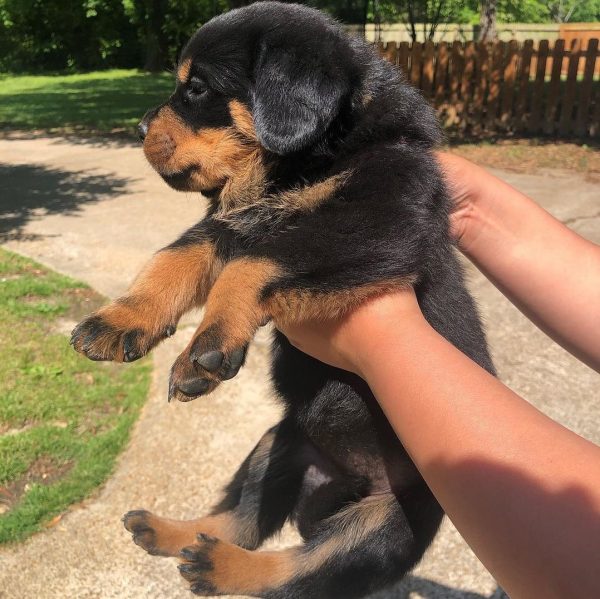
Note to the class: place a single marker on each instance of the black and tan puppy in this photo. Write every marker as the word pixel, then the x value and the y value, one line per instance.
pixel 316 157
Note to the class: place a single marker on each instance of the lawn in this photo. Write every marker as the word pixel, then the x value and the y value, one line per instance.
pixel 100 102
pixel 63 419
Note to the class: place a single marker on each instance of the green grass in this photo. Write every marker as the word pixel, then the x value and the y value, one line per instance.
pixel 63 419
pixel 100 102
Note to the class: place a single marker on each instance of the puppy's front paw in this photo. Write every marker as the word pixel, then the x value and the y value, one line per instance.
pixel 206 362
pixel 117 333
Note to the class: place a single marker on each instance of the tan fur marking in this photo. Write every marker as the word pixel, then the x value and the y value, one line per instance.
pixel 241 572
pixel 311 196
pixel 295 305
pixel 171 536
pixel 272 209
pixel 183 72
pixel 234 300
pixel 352 524
pixel 246 529
pixel 242 119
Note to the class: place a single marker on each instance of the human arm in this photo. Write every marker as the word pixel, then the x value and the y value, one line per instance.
pixel 522 490
pixel 548 271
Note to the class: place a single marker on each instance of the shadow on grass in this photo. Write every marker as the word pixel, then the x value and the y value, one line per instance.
pixel 31 191
pixel 98 102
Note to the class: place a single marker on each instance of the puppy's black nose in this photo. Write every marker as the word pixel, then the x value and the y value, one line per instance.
pixel 142 130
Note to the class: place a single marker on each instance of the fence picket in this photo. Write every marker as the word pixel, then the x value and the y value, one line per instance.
pixel 585 95
pixel 538 89
pixel 441 72
pixel 495 84
pixel 508 87
pixel 403 52
pixel 558 53
pixel 523 85
pixel 482 68
pixel 390 52
pixel 427 77
pixel 566 111
pixel 466 87
pixel 415 64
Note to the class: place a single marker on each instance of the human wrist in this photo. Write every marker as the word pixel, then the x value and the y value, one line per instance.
pixel 382 327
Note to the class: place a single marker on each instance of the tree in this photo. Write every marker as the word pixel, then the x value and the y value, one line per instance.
pixel 561 11
pixel 487 20
pixel 427 14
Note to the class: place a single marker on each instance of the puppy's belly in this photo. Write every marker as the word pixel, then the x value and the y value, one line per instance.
pixel 380 474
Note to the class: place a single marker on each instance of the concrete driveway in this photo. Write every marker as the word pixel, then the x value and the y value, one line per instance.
pixel 96 211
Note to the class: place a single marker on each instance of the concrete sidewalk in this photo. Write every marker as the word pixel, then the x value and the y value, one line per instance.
pixel 96 211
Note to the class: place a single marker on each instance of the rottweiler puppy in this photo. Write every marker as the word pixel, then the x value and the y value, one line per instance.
pixel 316 158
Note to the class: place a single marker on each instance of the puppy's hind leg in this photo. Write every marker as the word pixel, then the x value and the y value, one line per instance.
pixel 364 547
pixel 257 502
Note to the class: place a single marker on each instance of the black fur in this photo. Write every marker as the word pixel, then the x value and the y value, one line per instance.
pixel 324 104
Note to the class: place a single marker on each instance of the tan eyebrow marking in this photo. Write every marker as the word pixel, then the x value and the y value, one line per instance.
pixel 183 71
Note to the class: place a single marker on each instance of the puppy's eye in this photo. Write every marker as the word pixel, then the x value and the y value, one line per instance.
pixel 196 87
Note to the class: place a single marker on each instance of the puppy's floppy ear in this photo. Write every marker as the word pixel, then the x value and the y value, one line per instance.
pixel 296 96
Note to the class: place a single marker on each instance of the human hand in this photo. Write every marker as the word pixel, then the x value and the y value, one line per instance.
pixel 351 341
pixel 468 184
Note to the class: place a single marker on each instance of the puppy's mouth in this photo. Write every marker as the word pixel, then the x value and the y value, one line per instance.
pixel 183 181
pixel 180 180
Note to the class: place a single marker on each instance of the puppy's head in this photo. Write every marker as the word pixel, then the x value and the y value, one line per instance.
pixel 255 84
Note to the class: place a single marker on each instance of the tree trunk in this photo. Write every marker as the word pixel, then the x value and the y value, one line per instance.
pixel 155 43
pixel 487 21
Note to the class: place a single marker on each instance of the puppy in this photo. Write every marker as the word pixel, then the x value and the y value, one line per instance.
pixel 317 160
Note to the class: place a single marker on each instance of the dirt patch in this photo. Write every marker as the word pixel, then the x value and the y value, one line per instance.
pixel 44 471
pixel 531 156
pixel 82 302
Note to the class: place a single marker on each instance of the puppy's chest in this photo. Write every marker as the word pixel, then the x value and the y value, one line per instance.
pixel 273 215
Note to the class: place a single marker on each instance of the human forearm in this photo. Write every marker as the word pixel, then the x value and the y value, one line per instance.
pixel 503 471
pixel 547 270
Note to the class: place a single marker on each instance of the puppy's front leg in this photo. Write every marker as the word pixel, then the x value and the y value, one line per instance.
pixel 176 279
pixel 234 311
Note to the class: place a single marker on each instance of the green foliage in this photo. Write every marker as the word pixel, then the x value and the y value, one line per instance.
pixel 63 419
pixel 37 35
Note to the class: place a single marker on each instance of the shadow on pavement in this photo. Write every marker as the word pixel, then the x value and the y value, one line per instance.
pixel 31 191
pixel 118 138
pixel 415 586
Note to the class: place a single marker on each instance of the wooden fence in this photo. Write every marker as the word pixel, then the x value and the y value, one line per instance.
pixel 507 87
